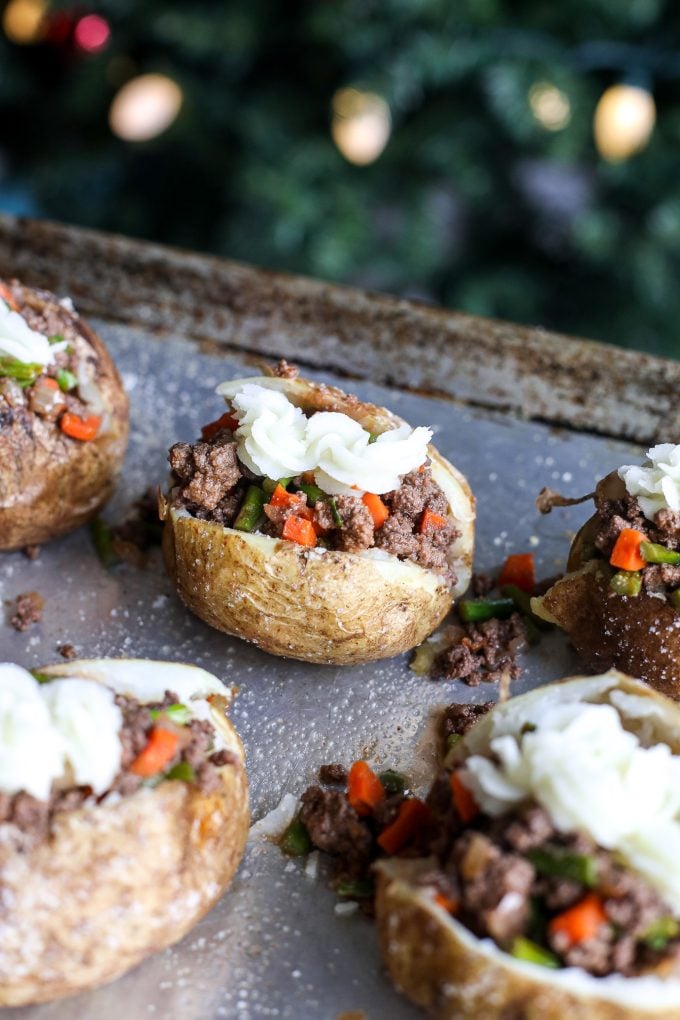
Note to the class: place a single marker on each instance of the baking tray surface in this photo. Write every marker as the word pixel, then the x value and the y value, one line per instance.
pixel 273 946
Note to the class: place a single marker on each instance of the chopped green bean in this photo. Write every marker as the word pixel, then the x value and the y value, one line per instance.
pixel 295 841
pixel 25 373
pixel 653 553
pixel 102 538
pixel 56 338
pixel 66 380
pixel 476 610
pixel 359 889
pixel 525 949
pixel 660 933
pixel 269 484
pixel 453 740
pixel 393 782
pixel 674 598
pixel 313 493
pixel 335 512
pixel 576 867
pixel 177 713
pixel 250 514
pixel 182 771
pixel 626 582
pixel 522 601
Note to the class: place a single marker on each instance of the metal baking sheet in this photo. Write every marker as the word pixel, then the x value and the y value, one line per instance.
pixel 273 946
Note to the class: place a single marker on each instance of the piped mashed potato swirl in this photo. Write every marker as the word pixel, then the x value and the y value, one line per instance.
pixel 276 440
pixel 656 482
pixel 21 343
pixel 590 774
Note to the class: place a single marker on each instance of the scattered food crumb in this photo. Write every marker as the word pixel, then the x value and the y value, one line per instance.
pixel 67 651
pixel 28 609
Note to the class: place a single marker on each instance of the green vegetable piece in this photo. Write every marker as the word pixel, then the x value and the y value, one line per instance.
pixel 393 782
pixel 674 598
pixel 335 512
pixel 372 438
pixel 525 949
pixel 453 740
pixel 67 380
pixel 250 514
pixel 580 868
pixel 660 933
pixel 313 493
pixel 269 484
pixel 25 373
pixel 102 538
pixel 42 678
pixel 626 582
pixel 56 338
pixel 295 841
pixel 177 713
pixel 532 631
pixel 522 602
pixel 359 889
pixel 182 771
pixel 477 610
pixel 654 553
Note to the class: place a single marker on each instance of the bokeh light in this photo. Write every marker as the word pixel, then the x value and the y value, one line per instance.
pixel 24 20
pixel 624 120
pixel 92 33
pixel 549 105
pixel 145 107
pixel 360 125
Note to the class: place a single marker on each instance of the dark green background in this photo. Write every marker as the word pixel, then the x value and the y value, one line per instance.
pixel 473 204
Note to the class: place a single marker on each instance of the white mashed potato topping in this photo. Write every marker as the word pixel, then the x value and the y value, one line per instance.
pixel 276 440
pixel 21 343
pixel 579 763
pixel 656 483
pixel 70 726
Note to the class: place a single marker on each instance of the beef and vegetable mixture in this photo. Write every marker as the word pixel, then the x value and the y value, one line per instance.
pixel 214 484
pixel 60 394
pixel 159 741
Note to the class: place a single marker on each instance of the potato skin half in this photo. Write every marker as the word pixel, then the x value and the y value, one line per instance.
pixel 115 883
pixel 319 606
pixel 640 636
pixel 49 483
pixel 441 965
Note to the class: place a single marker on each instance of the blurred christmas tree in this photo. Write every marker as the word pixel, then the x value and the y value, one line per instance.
pixel 469 177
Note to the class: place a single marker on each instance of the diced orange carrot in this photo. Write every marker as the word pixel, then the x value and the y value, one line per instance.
pixel 431 520
pixel 377 508
pixel 413 814
pixel 364 789
pixel 226 421
pixel 582 921
pixel 463 801
pixel 6 295
pixel 76 427
pixel 297 529
pixel 447 903
pixel 281 497
pixel 626 552
pixel 159 752
pixel 519 569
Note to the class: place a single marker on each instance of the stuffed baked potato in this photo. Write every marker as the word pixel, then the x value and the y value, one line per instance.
pixel 63 418
pixel 123 816
pixel 552 888
pixel 620 600
pixel 315 525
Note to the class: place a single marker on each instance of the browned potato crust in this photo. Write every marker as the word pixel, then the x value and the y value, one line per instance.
pixel 316 605
pixel 116 882
pixel 441 965
pixel 49 483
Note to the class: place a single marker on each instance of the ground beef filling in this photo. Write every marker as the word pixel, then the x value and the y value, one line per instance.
pixel 494 871
pixel 212 483
pixel 33 817
pixel 613 515
pixel 20 401
pixel 483 652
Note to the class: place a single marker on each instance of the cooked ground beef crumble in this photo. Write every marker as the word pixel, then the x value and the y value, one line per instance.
pixel 616 514
pixel 211 483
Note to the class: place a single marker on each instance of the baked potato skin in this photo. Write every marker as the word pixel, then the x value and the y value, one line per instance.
pixel 318 606
pixel 51 484
pixel 116 882
pixel 442 966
